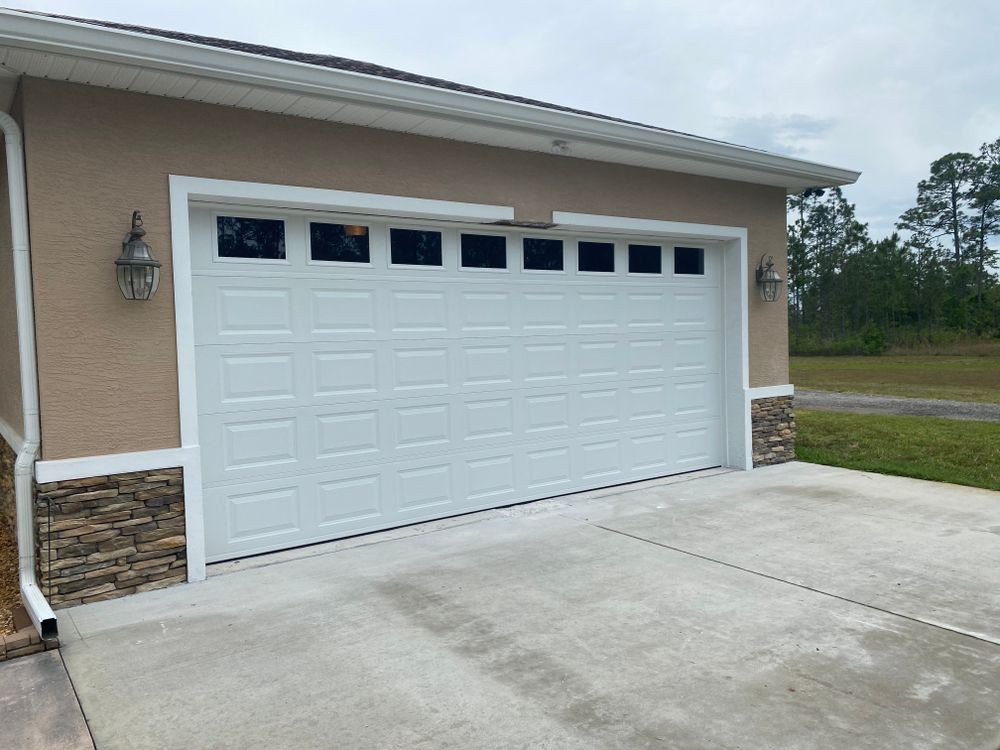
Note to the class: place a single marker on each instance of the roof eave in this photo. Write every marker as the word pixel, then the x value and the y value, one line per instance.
pixel 58 36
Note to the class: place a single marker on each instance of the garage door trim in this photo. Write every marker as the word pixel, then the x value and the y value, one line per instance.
pixel 184 190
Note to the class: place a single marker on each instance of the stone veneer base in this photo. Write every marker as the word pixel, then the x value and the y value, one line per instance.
pixel 773 430
pixel 105 537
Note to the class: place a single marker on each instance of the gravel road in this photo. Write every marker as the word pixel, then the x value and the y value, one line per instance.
pixel 862 403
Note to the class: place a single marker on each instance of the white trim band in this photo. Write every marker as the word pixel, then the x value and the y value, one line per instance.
pixel 770 391
pixel 115 463
pixel 625 224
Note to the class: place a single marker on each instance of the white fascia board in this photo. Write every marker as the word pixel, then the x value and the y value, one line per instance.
pixel 59 36
pixel 288 196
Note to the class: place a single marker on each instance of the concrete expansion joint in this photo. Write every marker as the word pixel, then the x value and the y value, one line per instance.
pixel 939 626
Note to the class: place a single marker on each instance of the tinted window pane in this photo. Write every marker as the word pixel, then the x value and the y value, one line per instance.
pixel 689 260
pixel 596 256
pixel 543 255
pixel 415 247
pixel 345 243
pixel 645 259
pixel 260 239
pixel 484 251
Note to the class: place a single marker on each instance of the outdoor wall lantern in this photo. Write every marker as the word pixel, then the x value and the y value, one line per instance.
pixel 138 271
pixel 768 280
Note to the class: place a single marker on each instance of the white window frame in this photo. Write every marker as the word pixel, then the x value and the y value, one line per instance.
pixel 216 258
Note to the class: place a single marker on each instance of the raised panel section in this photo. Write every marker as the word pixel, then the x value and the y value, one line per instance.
pixel 424 487
pixel 598 311
pixel 648 453
pixel 419 312
pixel 485 312
pixel 545 363
pixel 420 369
pixel 347 434
pixel 343 501
pixel 544 312
pixel 346 373
pixel 647 357
pixel 487 365
pixel 598 359
pixel 258 443
pixel 546 413
pixel 422 426
pixel 601 460
pixel 600 407
pixel 646 311
pixel 549 468
pixel 490 478
pixel 250 378
pixel 264 513
pixel 343 311
pixel 246 311
pixel 489 419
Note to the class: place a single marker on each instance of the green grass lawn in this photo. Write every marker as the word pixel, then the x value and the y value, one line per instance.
pixel 959 378
pixel 943 450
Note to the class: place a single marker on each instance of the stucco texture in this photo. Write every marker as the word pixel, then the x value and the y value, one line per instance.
pixel 107 367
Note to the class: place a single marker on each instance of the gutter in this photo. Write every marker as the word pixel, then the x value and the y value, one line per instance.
pixel 24 480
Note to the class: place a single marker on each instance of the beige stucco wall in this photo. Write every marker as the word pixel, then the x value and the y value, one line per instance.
pixel 10 373
pixel 107 367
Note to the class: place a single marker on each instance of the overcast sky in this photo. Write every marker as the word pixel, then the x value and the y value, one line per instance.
pixel 882 87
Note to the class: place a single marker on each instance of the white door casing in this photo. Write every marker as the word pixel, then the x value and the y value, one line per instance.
pixel 332 401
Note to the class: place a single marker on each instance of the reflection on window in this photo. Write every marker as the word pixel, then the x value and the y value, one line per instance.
pixel 689 261
pixel 341 243
pixel 597 257
pixel 484 251
pixel 644 259
pixel 256 239
pixel 415 247
pixel 543 255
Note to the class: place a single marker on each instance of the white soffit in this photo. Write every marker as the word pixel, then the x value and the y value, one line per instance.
pixel 58 49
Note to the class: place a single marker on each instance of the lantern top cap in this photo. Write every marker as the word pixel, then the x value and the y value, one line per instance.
pixel 137 230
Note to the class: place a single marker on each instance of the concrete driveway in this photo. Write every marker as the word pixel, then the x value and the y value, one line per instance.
pixel 793 607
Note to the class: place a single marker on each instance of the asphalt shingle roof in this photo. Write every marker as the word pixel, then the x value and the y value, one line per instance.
pixel 354 66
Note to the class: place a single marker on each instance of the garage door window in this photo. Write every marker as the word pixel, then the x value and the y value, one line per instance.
pixel 689 261
pixel 596 257
pixel 338 243
pixel 484 251
pixel 543 254
pixel 645 259
pixel 415 247
pixel 250 239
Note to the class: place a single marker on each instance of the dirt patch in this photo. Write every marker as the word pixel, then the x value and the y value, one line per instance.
pixel 10 596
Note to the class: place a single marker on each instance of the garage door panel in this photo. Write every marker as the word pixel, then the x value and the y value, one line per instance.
pixel 343 311
pixel 695 310
pixel 336 400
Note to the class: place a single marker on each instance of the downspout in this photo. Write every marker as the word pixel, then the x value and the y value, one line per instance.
pixel 24 468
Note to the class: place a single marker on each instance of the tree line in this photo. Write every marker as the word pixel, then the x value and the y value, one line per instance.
pixel 935 279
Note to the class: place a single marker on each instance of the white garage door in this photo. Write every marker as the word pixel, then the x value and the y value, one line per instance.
pixel 357 374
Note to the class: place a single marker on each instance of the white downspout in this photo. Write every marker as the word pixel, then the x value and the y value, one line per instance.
pixel 24 480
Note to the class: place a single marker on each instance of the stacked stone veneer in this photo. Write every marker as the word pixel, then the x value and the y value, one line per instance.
pixel 773 428
pixel 8 507
pixel 104 537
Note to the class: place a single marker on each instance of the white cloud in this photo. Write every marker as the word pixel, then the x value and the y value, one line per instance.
pixel 881 87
